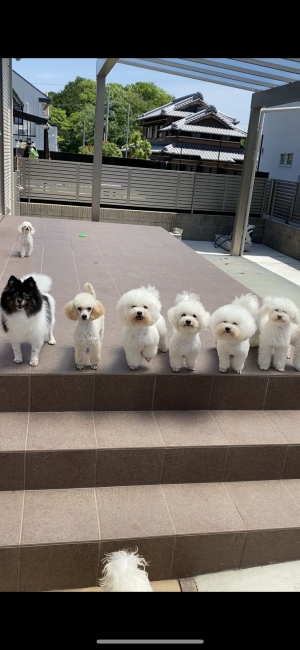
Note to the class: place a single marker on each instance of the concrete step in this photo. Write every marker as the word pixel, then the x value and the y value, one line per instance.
pixel 107 449
pixel 57 539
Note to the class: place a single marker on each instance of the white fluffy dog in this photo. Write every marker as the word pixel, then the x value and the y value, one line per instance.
pixel 233 325
pixel 26 231
pixel 276 317
pixel 145 329
pixel 188 317
pixel 123 573
pixel 89 331
pixel 295 341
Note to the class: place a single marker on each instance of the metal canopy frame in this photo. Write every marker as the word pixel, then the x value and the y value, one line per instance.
pixel 276 84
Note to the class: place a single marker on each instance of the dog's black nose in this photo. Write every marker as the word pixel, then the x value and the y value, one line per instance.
pixel 188 322
pixel 227 329
pixel 83 316
pixel 19 301
pixel 139 313
pixel 279 317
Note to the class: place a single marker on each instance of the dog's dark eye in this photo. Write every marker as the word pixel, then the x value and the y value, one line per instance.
pixel 79 308
pixel 276 309
pixel 225 321
pixel 133 307
pixel 194 316
pixel 145 307
pixel 234 324
pixel 89 309
pixel 182 315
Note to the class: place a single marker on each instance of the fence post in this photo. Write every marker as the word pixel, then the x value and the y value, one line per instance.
pixel 275 184
pixel 194 185
pixel 77 182
pixel 28 165
pixel 263 198
pixel 293 204
pixel 128 185
pixel 224 192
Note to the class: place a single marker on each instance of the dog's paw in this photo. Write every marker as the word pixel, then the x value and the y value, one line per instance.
pixel 279 368
pixel 18 360
pixel 147 359
pixel 132 367
pixel 222 369
pixel 33 363
pixel 190 368
pixel 94 367
pixel 238 372
pixel 163 349
pixel 52 342
pixel 175 369
pixel 263 367
pixel 79 367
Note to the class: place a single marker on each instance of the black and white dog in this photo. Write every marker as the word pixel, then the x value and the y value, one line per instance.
pixel 27 314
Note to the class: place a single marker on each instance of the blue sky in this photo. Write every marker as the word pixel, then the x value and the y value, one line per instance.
pixel 53 74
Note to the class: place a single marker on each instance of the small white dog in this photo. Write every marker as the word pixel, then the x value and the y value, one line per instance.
pixel 122 572
pixel 295 341
pixel 233 325
pixel 188 317
pixel 276 317
pixel 145 329
pixel 26 231
pixel 89 331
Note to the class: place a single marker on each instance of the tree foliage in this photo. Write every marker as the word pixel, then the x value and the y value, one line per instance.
pixel 73 110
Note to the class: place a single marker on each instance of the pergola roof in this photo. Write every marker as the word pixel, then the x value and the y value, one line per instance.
pixel 248 74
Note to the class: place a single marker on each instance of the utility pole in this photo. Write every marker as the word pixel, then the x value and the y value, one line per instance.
pixel 127 132
pixel 107 114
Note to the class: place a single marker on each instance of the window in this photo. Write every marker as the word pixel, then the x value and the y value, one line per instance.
pixel 149 133
pixel 155 131
pixel 286 159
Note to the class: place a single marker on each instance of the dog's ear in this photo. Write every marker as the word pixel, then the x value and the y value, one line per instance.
pixel 294 315
pixel 98 310
pixel 12 280
pixel 172 316
pixel 20 229
pixel 205 318
pixel 264 310
pixel 70 311
pixel 32 230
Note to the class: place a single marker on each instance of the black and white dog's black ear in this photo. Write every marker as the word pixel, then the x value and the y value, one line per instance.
pixel 30 282
pixel 12 280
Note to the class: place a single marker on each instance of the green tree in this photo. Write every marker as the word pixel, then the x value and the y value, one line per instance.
pixel 111 149
pixel 139 148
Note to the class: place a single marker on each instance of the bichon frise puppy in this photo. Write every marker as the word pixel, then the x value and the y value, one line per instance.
pixel 276 317
pixel 250 302
pixel 145 329
pixel 89 331
pixel 232 325
pixel 26 231
pixel 188 317
pixel 295 341
pixel 125 571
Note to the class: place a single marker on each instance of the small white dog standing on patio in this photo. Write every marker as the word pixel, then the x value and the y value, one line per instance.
pixel 89 331
pixel 276 317
pixel 145 328
pixel 26 231
pixel 188 317
pixel 233 325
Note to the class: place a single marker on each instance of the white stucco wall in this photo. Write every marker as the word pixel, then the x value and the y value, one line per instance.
pixel 30 96
pixel 281 133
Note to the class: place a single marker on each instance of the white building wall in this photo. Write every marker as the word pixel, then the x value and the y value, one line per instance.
pixel 30 96
pixel 7 133
pixel 281 133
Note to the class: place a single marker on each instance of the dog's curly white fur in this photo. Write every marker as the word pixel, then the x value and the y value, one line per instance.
pixel 233 325
pixel 276 317
pixel 125 571
pixel 250 301
pixel 26 231
pixel 295 341
pixel 188 317
pixel 89 331
pixel 145 329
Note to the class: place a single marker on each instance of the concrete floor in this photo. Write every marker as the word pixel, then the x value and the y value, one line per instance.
pixel 275 577
pixel 262 270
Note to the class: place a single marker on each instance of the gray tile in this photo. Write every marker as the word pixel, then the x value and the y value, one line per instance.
pixel 59 566
pixel 129 467
pixel 9 574
pixel 13 430
pixel 61 393
pixel 12 465
pixel 238 392
pixel 182 392
pixel 126 392
pixel 189 429
pixel 126 429
pixel 60 431
pixel 11 507
pixel 10 386
pixel 292 463
pixel 46 470
pixel 271 547
pixel 255 463
pixel 193 465
pixel 283 392
pixel 198 554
